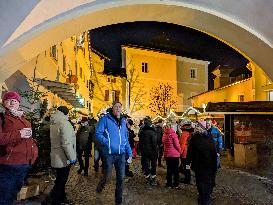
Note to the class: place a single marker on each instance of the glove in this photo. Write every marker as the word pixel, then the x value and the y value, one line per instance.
pixel 71 162
pixel 129 160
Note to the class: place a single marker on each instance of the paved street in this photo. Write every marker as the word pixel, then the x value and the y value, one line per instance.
pixel 233 187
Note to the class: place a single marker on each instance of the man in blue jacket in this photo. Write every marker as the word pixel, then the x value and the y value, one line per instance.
pixel 112 134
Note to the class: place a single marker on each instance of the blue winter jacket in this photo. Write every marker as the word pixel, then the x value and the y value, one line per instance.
pixel 112 137
pixel 217 137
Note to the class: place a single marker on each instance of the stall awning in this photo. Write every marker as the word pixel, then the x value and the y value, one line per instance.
pixel 63 90
pixel 253 107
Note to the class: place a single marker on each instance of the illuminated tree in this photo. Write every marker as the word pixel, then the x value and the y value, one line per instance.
pixel 162 99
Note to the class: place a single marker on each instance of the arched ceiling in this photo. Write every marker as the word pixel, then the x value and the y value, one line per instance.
pixel 29 28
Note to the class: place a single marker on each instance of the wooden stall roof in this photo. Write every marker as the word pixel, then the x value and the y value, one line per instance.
pixel 253 107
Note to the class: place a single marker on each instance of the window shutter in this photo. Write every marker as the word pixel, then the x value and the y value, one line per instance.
pixel 106 96
pixel 117 95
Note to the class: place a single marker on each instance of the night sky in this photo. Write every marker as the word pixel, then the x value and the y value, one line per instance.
pixel 171 38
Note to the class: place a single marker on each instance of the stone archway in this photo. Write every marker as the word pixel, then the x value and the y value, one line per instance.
pixel 36 25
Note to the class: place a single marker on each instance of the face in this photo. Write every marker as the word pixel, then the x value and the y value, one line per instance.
pixel 208 124
pixel 128 125
pixel 117 109
pixel 12 104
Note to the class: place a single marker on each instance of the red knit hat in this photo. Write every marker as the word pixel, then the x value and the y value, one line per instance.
pixel 213 122
pixel 11 95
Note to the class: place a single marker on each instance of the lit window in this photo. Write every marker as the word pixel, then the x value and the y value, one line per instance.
pixel 144 67
pixel 81 72
pixel 241 98
pixel 193 73
pixel 64 64
pixel 113 95
pixel 54 52
pixel 270 96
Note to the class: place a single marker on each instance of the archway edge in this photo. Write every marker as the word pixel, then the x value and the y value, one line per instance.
pixel 62 26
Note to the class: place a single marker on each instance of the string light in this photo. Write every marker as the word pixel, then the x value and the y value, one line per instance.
pixel 177 116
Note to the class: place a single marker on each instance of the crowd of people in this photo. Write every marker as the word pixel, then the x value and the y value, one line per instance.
pixel 184 146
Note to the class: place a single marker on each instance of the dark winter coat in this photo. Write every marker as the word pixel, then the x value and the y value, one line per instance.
pixel 148 142
pixel 131 138
pixel 203 157
pixel 84 138
pixel 15 150
pixel 159 134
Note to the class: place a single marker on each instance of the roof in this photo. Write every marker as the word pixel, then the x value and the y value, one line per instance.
pixel 63 90
pixel 226 86
pixel 159 50
pixel 253 107
pixel 100 54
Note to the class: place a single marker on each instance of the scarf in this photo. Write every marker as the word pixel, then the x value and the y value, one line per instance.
pixel 16 113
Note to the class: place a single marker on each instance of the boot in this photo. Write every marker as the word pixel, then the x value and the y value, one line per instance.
pixel 153 181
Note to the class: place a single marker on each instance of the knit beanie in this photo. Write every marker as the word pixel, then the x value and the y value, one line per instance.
pixel 63 109
pixel 11 95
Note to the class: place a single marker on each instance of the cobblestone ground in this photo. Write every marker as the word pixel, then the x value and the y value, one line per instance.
pixel 233 187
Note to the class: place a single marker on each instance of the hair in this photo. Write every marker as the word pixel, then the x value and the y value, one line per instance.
pixel 63 109
pixel 116 102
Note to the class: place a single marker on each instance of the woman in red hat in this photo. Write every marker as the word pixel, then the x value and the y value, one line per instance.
pixel 18 150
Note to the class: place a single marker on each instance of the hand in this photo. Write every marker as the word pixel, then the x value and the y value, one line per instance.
pixel 188 167
pixel 26 133
pixel 71 162
pixel 218 154
pixel 129 160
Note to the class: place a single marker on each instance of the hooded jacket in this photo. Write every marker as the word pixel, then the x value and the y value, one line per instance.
pixel 171 143
pixel 15 150
pixel 113 135
pixel 184 142
pixel 203 156
pixel 63 140
pixel 148 142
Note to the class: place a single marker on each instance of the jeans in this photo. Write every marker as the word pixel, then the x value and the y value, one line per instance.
pixel 160 155
pixel 84 166
pixel 149 165
pixel 97 157
pixel 172 171
pixel 186 172
pixel 58 192
pixel 11 181
pixel 205 189
pixel 118 160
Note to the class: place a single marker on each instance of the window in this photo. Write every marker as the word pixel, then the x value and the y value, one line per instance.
pixel 117 95
pixel 193 73
pixel 270 96
pixel 81 72
pixel 76 67
pixel 113 80
pixel 106 96
pixel 108 80
pixel 87 83
pixel 144 67
pixel 64 64
pixel 54 52
pixel 113 95
pixel 241 98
